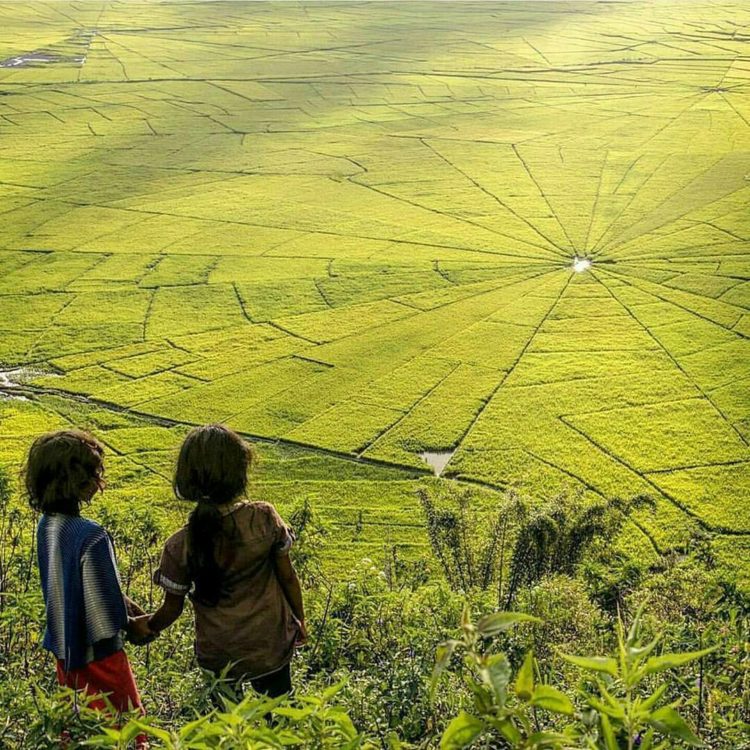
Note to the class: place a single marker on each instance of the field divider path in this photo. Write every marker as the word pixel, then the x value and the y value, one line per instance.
pixel 513 366
pixel 35 393
pixel 421 399
pixel 704 393
pixel 557 249
pixel 659 491
pixel 627 277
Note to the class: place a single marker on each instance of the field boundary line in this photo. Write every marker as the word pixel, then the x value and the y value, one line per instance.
pixel 676 363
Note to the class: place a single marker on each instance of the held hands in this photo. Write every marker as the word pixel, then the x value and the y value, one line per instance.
pixel 139 633
pixel 301 634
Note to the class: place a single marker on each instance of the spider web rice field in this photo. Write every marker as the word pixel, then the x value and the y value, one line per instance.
pixel 516 233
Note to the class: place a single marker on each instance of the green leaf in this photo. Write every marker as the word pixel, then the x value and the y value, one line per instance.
pixel 462 731
pixel 670 661
pixel 507 729
pixel 499 622
pixel 654 698
pixel 546 739
pixel 442 659
pixel 497 673
pixel 608 734
pixel 647 740
pixel 615 712
pixel 295 714
pixel 143 728
pixel 333 690
pixel 525 678
pixel 593 663
pixel 667 721
pixel 551 699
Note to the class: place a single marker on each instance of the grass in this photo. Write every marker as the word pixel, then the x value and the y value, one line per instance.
pixel 289 218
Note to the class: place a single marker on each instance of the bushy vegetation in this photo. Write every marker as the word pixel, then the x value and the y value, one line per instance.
pixel 396 660
pixel 362 239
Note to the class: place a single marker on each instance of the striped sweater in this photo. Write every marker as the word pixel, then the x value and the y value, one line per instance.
pixel 86 612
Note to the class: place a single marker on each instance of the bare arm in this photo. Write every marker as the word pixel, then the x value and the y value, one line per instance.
pixel 292 590
pixel 169 611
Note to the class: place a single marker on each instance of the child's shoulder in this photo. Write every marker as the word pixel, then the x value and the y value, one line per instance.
pixel 260 506
pixel 262 511
pixel 78 524
pixel 177 541
pixel 75 531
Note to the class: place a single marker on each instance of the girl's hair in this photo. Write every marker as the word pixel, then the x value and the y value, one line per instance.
pixel 61 471
pixel 211 470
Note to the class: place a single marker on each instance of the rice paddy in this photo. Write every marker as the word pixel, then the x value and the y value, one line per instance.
pixel 510 235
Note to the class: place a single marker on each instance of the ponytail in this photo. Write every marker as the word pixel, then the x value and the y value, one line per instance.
pixel 211 471
pixel 204 530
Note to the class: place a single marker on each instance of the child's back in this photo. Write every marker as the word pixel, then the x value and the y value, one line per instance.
pixel 233 560
pixel 252 626
pixel 86 613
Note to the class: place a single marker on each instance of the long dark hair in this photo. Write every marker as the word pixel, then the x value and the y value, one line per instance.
pixel 63 470
pixel 211 470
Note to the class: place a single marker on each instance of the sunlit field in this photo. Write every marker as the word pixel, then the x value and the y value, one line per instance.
pixel 513 237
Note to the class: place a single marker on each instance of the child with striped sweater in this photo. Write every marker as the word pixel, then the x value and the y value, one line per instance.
pixel 88 616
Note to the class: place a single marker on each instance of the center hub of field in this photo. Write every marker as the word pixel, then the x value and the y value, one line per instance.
pixel 581 264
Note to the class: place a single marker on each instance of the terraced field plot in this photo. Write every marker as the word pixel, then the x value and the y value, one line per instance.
pixel 515 233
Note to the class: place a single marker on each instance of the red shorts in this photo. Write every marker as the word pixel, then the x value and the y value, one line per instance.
pixel 111 676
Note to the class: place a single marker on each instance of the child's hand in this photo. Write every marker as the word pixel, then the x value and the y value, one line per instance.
pixel 301 634
pixel 139 632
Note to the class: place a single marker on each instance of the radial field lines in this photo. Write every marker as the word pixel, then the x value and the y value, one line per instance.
pixel 553 246
pixel 513 366
pixel 704 392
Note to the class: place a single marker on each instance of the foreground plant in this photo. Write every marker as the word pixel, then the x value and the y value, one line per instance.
pixel 628 709
pixel 508 712
pixel 255 723
pixel 624 709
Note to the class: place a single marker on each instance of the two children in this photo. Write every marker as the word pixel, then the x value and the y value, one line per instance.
pixel 232 560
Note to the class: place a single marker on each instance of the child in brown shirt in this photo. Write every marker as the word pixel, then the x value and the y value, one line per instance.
pixel 232 560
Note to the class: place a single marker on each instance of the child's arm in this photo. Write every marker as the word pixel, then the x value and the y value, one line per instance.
pixel 169 611
pixel 293 591
pixel 134 610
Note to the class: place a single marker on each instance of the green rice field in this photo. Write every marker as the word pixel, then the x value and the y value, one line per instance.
pixel 512 235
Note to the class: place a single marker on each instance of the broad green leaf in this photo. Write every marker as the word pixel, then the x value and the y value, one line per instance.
pixel 615 712
pixel 507 729
pixel 498 673
pixel 143 728
pixel 647 740
pixel 295 714
pixel 329 692
pixel 654 698
pixel 638 653
pixel 525 678
pixel 462 731
pixel 551 699
pixel 499 622
pixel 593 663
pixel 442 658
pixel 547 738
pixel 669 661
pixel 667 721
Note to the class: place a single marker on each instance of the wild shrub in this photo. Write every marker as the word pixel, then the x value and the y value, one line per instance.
pixel 515 545
pixel 554 537
pixel 473 546
pixel 624 700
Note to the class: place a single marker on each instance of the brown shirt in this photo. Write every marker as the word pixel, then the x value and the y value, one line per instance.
pixel 253 624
